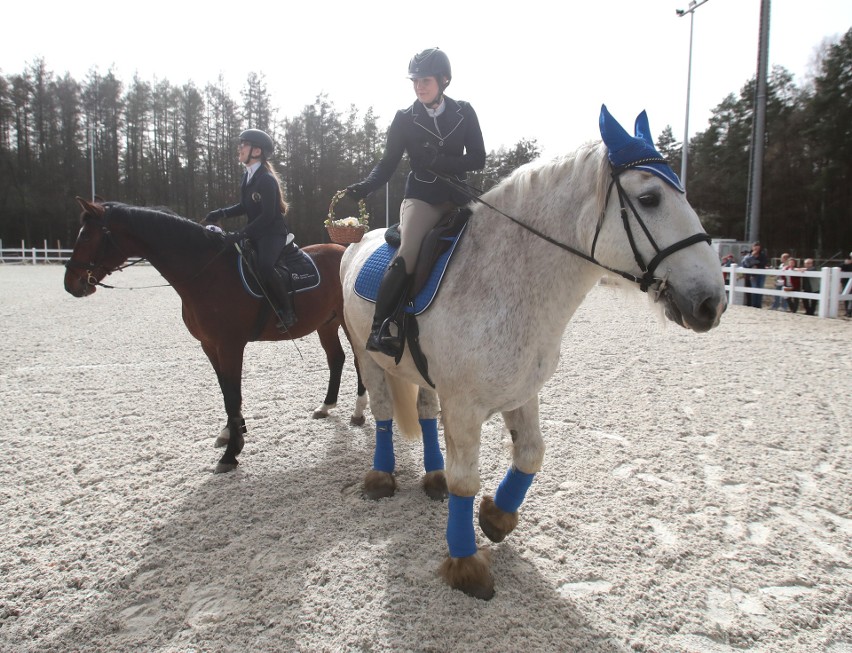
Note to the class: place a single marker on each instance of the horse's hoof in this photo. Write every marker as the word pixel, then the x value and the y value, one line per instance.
pixel 224 468
pixel 378 485
pixel 495 523
pixel 471 575
pixel 320 414
pixel 357 421
pixel 435 485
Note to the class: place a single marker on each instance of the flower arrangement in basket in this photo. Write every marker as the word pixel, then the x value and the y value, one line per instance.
pixel 350 229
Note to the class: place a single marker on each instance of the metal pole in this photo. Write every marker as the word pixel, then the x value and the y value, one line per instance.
pixel 684 148
pixel 759 129
pixel 92 155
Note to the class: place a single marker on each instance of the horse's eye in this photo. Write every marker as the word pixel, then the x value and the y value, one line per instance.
pixel 649 199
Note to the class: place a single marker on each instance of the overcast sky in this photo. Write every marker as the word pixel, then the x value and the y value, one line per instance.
pixel 531 69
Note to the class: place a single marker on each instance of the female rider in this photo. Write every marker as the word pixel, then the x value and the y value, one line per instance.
pixel 262 201
pixel 442 136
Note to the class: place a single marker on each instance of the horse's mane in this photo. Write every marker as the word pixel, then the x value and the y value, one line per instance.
pixel 161 224
pixel 587 167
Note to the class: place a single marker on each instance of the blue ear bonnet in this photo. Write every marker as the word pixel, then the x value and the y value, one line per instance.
pixel 637 152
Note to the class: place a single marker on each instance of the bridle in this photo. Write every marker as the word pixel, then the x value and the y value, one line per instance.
pixel 647 279
pixel 96 264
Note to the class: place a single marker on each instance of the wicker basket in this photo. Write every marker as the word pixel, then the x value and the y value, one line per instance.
pixel 345 235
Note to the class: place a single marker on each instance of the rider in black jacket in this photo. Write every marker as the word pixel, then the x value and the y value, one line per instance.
pixel 262 201
pixel 440 135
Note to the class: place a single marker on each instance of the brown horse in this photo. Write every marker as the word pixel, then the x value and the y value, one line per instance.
pixel 217 310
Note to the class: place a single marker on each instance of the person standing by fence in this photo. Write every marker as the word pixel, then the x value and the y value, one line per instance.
pixel 757 260
pixel 792 284
pixel 810 284
pixel 847 267
pixel 779 283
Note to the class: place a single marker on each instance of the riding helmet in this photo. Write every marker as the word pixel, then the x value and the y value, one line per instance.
pixel 259 138
pixel 430 63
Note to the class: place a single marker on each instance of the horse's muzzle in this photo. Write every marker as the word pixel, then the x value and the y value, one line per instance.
pixel 700 314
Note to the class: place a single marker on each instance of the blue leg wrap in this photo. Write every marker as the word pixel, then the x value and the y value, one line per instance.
pixel 383 459
pixel 432 458
pixel 460 536
pixel 513 488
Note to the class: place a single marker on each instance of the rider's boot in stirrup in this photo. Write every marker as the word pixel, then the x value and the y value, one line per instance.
pixel 394 283
pixel 280 287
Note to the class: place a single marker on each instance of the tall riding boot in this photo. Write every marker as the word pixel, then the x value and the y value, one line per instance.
pixel 394 283
pixel 280 287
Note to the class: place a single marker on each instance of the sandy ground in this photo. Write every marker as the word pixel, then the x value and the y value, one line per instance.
pixel 695 495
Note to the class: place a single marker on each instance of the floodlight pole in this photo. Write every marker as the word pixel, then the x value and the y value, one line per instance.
pixel 693 5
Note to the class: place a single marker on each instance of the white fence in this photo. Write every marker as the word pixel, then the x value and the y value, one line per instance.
pixel 834 287
pixel 24 254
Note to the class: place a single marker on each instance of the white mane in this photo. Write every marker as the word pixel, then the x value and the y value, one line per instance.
pixel 585 167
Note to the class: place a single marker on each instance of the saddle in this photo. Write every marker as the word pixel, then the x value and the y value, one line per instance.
pixel 294 271
pixel 443 236
pixel 435 252
pixel 292 264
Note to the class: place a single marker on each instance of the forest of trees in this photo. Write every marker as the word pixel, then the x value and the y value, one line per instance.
pixel 156 144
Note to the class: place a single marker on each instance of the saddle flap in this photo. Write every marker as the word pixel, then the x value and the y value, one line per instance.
pixel 435 244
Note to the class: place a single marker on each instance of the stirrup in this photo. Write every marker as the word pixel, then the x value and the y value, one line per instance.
pixel 382 341
pixel 285 320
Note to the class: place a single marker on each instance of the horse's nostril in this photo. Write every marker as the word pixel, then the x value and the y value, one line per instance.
pixel 707 312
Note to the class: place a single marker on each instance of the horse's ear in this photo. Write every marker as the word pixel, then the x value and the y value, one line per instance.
pixel 613 134
pixel 95 210
pixel 642 129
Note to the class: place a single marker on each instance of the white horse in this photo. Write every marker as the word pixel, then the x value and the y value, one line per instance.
pixel 492 336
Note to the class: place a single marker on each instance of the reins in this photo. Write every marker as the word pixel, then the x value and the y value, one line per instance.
pixel 647 279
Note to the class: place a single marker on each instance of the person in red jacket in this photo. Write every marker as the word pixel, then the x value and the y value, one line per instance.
pixel 792 284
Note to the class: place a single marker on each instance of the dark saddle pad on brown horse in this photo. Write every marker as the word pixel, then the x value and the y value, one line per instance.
pixel 299 268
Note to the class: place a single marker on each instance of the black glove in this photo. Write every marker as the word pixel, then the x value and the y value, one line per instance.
pixel 214 216
pixel 356 191
pixel 423 158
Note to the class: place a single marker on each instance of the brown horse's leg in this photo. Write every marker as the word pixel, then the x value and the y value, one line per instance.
pixel 335 356
pixel 227 361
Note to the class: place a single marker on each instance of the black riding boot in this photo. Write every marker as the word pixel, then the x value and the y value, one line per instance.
pixel 283 299
pixel 394 283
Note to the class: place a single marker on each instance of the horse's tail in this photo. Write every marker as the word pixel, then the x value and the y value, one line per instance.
pixel 405 415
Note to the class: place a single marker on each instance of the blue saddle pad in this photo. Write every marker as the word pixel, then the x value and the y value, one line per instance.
pixel 370 276
pixel 303 272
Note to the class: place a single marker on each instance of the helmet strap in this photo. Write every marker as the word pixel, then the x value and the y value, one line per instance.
pixel 436 102
pixel 251 156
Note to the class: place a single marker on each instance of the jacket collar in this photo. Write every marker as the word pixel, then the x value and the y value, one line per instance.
pixel 449 120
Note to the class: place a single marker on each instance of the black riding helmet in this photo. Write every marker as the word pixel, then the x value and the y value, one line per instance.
pixel 433 62
pixel 259 138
